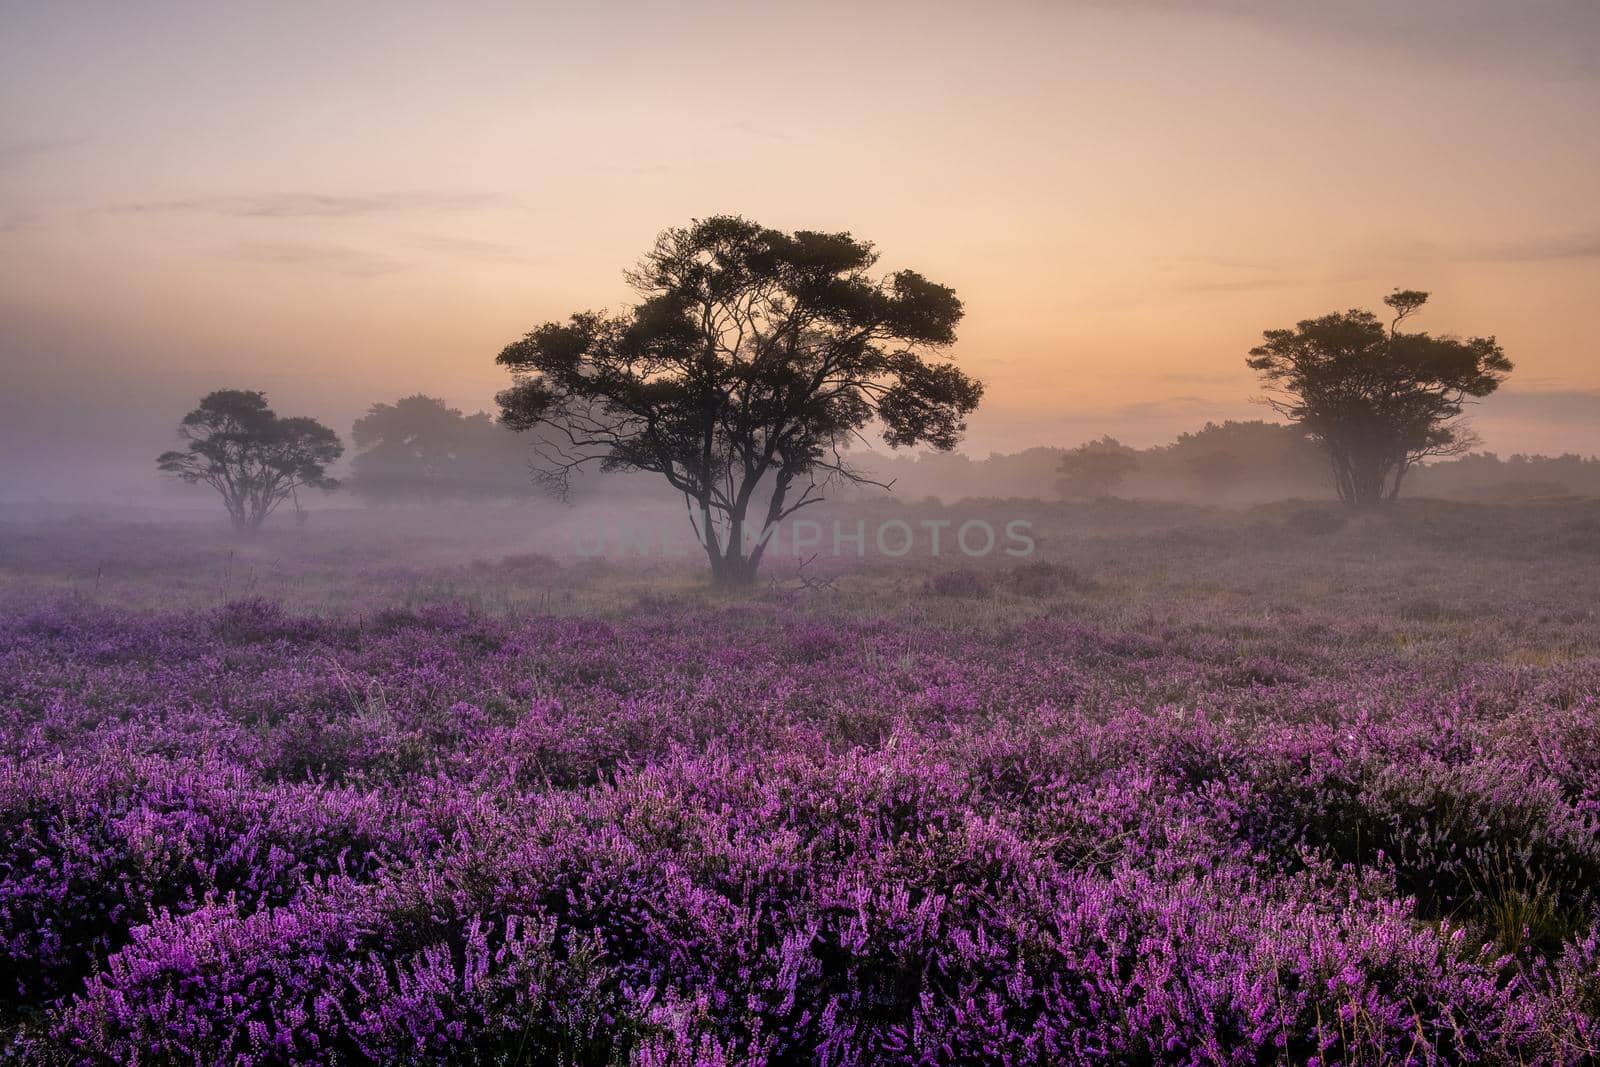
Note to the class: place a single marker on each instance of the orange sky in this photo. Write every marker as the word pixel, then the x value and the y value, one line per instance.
pixel 344 203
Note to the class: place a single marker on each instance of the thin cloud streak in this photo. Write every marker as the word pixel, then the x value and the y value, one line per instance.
pixel 1556 405
pixel 1575 246
pixel 350 262
pixel 22 150
pixel 312 205
pixel 1550 248
pixel 471 248
pixel 1242 285
pixel 1549 39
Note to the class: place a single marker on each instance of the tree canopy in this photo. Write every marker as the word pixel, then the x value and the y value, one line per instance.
pixel 751 361
pixel 1220 457
pixel 1095 468
pixel 254 459
pixel 1378 399
pixel 419 448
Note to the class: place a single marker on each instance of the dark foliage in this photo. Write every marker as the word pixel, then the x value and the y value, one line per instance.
pixel 753 358
pixel 253 458
pixel 1377 399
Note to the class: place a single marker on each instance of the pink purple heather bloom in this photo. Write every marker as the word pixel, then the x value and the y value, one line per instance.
pixel 251 837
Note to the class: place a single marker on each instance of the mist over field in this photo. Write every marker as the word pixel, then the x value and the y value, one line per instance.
pixel 712 535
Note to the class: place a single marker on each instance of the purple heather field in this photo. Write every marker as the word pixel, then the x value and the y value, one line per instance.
pixel 1186 785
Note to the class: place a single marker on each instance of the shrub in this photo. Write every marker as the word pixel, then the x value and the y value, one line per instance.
pixel 1316 522
pixel 1040 579
pixel 961 583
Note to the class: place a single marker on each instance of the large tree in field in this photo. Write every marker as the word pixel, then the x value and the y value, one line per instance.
pixel 750 362
pixel 1375 397
pixel 255 460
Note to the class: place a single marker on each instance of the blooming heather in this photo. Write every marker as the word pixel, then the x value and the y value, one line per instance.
pixel 754 836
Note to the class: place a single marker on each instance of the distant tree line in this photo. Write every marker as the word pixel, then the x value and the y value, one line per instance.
pixel 1488 476
pixel 1367 404
pixel 748 373
pixel 1223 463
pixel 419 450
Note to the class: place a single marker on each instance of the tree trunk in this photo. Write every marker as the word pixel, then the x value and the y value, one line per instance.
pixel 733 568
pixel 733 573
pixel 1399 476
pixel 1361 473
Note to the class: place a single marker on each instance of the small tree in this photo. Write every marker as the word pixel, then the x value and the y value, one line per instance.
pixel 1096 468
pixel 752 360
pixel 251 457
pixel 1377 399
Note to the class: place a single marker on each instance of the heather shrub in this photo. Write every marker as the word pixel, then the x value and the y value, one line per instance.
pixel 392 620
pixel 1041 579
pixel 341 977
pixel 524 564
pixel 93 850
pixel 1428 609
pixel 813 643
pixel 1473 839
pixel 1580 537
pixel 1569 1010
pixel 959 583
pixel 1316 522
pixel 257 619
pixel 750 834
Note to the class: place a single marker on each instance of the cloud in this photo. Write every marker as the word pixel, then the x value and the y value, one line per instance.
pixel 1193 378
pixel 1203 274
pixel 1548 248
pixel 1237 285
pixel 1547 39
pixel 1556 405
pixel 1172 407
pixel 311 205
pixel 756 131
pixel 471 248
pixel 16 152
pixel 350 262
pixel 1548 421
pixel 640 169
pixel 13 221
pixel 1572 246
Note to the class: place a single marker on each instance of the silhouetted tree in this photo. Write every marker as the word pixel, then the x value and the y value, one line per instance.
pixel 1263 456
pixel 1096 468
pixel 1213 471
pixel 251 457
pixel 1377 399
pixel 752 359
pixel 421 448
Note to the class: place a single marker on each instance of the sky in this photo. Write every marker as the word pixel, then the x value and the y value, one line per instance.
pixel 342 204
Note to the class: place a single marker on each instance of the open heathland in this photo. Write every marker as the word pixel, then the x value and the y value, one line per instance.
pixel 1184 786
